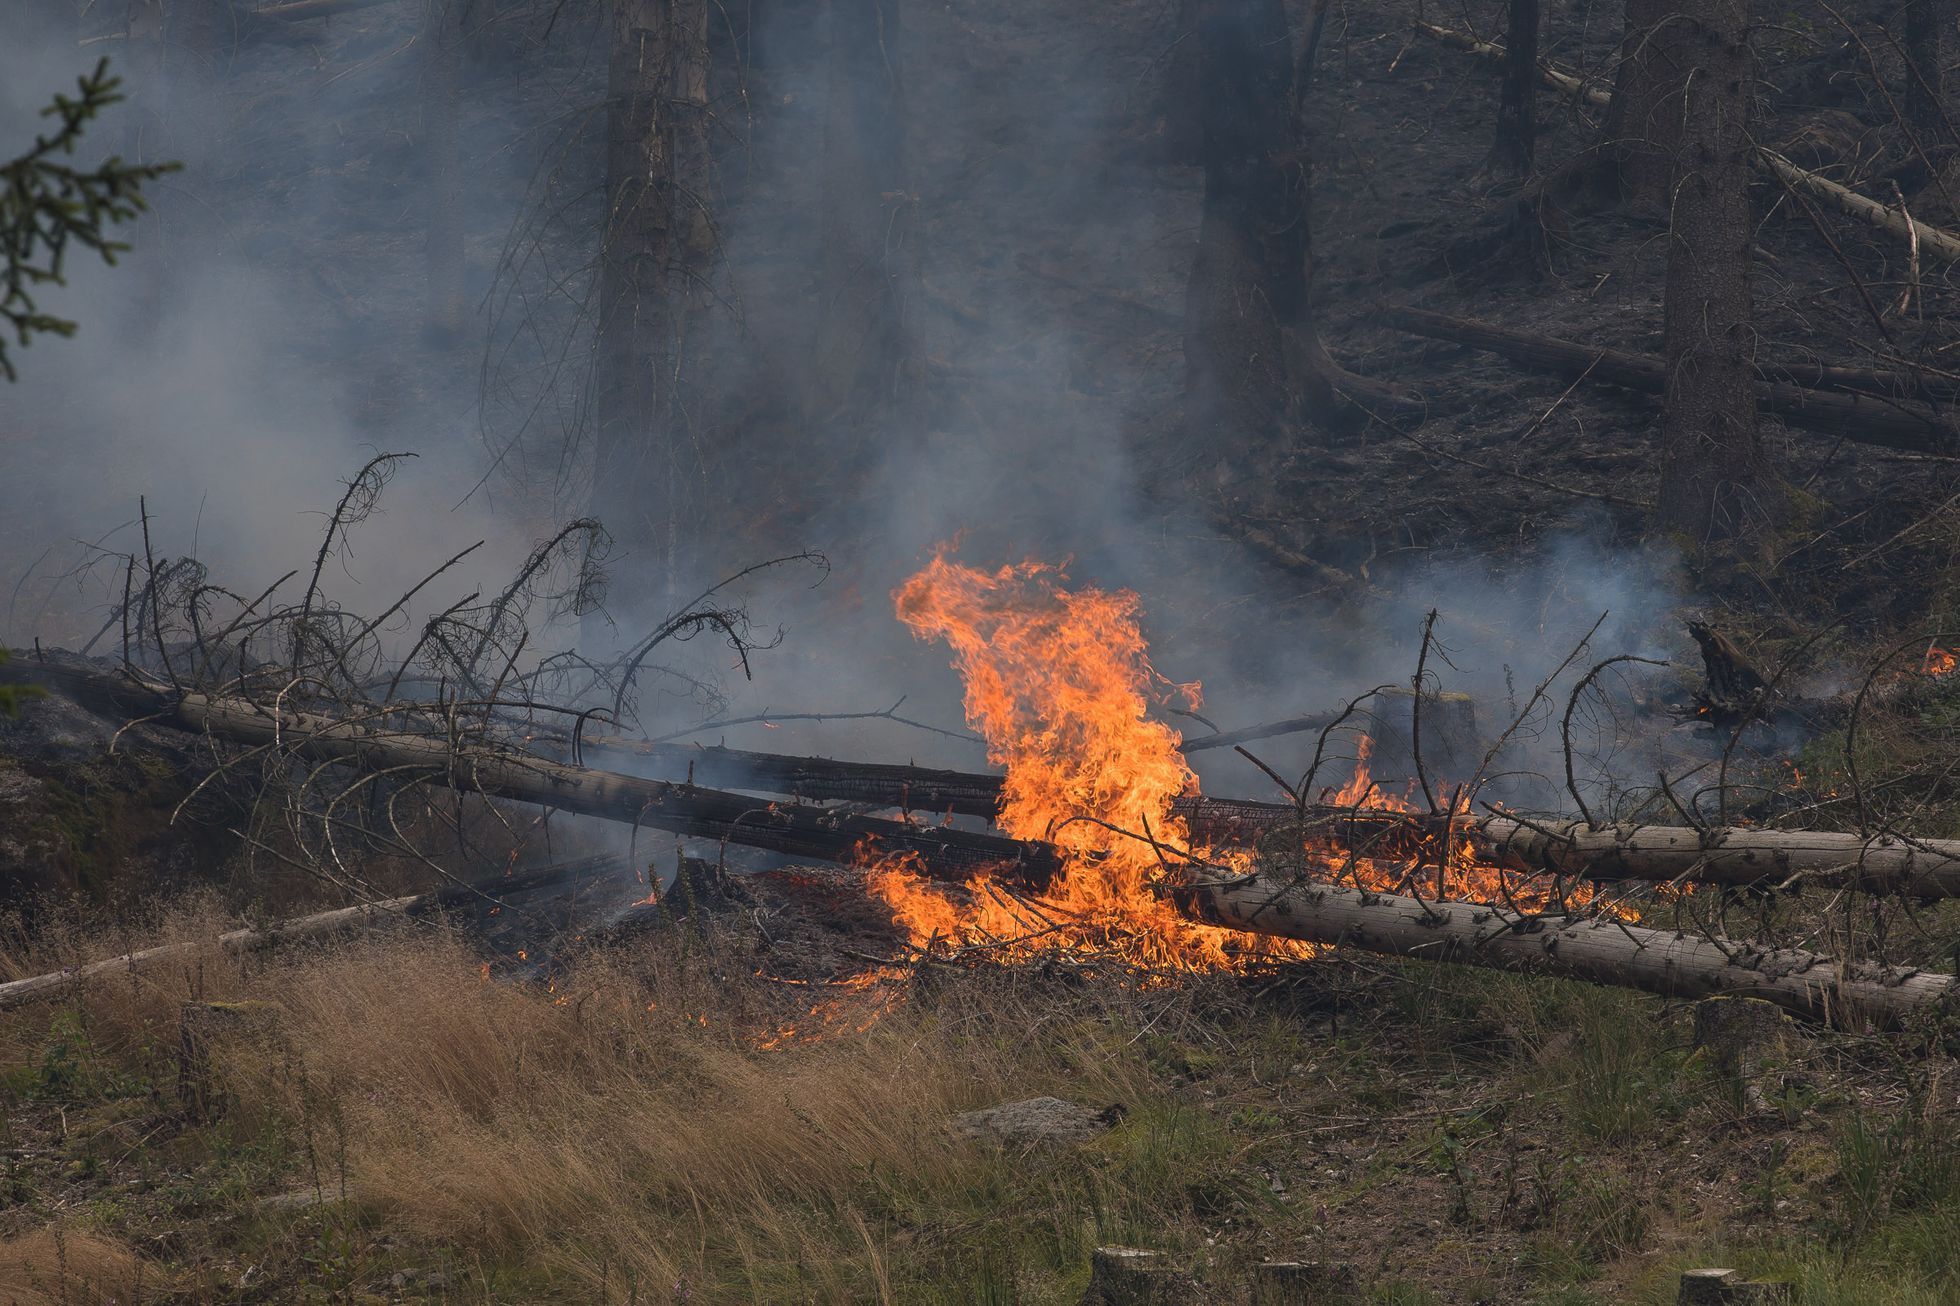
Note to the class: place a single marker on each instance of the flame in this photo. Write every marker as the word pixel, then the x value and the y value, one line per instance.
pixel 1940 661
pixel 1059 683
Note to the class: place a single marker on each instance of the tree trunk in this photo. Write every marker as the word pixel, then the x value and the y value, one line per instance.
pixel 1254 362
pixel 660 247
pixel 441 40
pixel 1715 481
pixel 1926 22
pixel 1643 124
pixel 1514 152
pixel 861 353
pixel 1603 952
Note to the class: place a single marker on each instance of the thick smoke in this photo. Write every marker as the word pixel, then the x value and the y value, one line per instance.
pixel 265 338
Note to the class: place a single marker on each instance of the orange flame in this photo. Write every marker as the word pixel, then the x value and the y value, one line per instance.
pixel 1940 661
pixel 1059 683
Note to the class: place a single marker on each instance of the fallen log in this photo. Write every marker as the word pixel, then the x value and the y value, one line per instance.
pixel 302 929
pixel 1864 419
pixel 1930 240
pixel 1236 822
pixel 1880 863
pixel 684 809
pixel 1737 857
pixel 816 779
pixel 296 11
pixel 1563 82
pixel 1808 984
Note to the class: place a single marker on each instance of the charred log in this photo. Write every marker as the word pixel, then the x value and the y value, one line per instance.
pixel 1863 419
pixel 1211 822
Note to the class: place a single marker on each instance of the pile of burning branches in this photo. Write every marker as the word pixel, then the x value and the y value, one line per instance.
pixel 1100 849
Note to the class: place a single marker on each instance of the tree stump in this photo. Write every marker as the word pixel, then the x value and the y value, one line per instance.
pixel 1715 1287
pixel 1132 1276
pixel 203 1026
pixel 1746 1039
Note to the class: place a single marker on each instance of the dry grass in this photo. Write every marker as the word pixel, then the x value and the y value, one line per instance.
pixel 53 1266
pixel 602 1142
pixel 620 1137
pixel 624 1139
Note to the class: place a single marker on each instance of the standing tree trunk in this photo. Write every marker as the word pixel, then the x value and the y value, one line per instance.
pixel 1925 24
pixel 1255 364
pixel 1514 152
pixel 659 252
pixel 442 39
pixel 1643 125
pixel 862 362
pixel 1715 483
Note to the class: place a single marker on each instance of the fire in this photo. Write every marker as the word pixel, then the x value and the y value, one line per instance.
pixel 1940 661
pixel 1059 683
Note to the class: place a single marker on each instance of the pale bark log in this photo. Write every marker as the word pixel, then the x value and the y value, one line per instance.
pixel 1673 965
pixel 1881 863
pixel 1933 242
pixel 302 929
pixel 476 767
pixel 299 10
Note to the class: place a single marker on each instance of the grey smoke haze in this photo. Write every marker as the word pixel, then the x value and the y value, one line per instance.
pixel 262 342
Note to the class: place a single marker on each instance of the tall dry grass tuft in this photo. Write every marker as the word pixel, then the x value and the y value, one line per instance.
pixel 57 1266
pixel 623 1134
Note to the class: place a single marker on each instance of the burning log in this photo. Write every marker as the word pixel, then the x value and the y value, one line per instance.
pixel 1235 822
pixel 1449 738
pixel 302 929
pixel 480 768
pixel 819 779
pixel 1863 418
pixel 1808 984
pixel 1735 857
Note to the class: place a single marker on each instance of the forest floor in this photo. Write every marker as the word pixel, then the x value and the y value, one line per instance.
pixel 405 1128
pixel 672 1118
